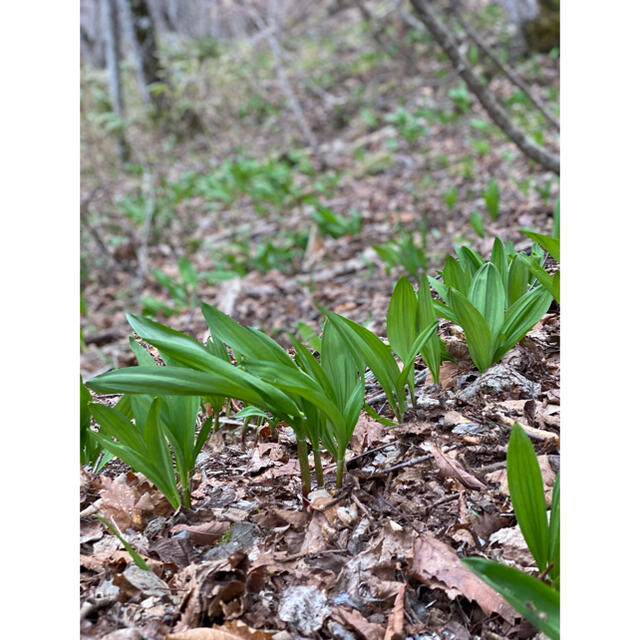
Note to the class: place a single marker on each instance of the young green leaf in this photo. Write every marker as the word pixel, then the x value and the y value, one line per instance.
pixel 518 281
pixel 402 325
pixel 487 295
pixel 527 494
pixel 521 317
pixel 476 331
pixel 427 316
pixel 376 354
pixel 499 260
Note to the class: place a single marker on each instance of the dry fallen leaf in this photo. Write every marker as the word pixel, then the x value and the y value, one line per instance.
pixel 230 631
pixel 395 625
pixel 367 434
pixel 206 533
pixel 437 565
pixel 450 468
pixel 355 620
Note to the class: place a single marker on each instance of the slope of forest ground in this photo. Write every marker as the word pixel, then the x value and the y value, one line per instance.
pixel 401 142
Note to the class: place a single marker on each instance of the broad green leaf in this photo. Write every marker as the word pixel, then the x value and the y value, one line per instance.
pixel 556 286
pixel 217 348
pixel 131 448
pixel 445 312
pixel 251 412
pixel 143 357
pixel 549 244
pixel 244 340
pixel 455 276
pixel 521 317
pixel 298 382
pixel 229 381
pixel 487 295
pixel 426 334
pixel 527 595
pixel 158 452
pixel 402 321
pixel 470 260
pixel 476 331
pixel 114 425
pixel 527 494
pixel 309 336
pixel 376 354
pixel 518 281
pixel 427 316
pixel 440 288
pixel 499 260
pixel 556 220
pixel 342 369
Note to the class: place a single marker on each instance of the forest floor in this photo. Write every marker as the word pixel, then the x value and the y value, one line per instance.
pixel 378 558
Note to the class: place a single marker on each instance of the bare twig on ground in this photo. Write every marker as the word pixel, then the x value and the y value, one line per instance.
pixel 445 39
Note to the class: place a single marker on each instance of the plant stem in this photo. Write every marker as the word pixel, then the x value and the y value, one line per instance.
pixel 216 422
pixel 317 460
pixel 304 467
pixel 339 472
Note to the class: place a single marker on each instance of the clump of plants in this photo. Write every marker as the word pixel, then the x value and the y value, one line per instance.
pixel 496 302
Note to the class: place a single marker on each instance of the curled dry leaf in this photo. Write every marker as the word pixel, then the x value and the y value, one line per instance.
pixel 206 533
pixel 437 565
pixel 450 468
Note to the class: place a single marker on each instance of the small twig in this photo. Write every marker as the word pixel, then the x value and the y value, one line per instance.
pixel 402 465
pixel 451 498
pixel 362 455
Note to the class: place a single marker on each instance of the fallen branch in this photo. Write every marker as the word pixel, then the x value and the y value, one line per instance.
pixel 512 75
pixel 497 113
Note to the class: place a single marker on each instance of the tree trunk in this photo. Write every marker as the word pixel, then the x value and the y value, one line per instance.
pixel 141 34
pixel 112 53
pixel 445 39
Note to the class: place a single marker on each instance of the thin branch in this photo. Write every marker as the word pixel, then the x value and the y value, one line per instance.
pixel 496 111
pixel 510 73
pixel 270 31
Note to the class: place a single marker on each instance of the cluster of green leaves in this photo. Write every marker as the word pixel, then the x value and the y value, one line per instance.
pixel 163 433
pixel 492 199
pixel 411 329
pixel 538 600
pixel 91 453
pixel 494 302
pixel 321 401
pixel 402 250
pixel 460 97
pixel 330 222
pixel 450 197
pixel 410 126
